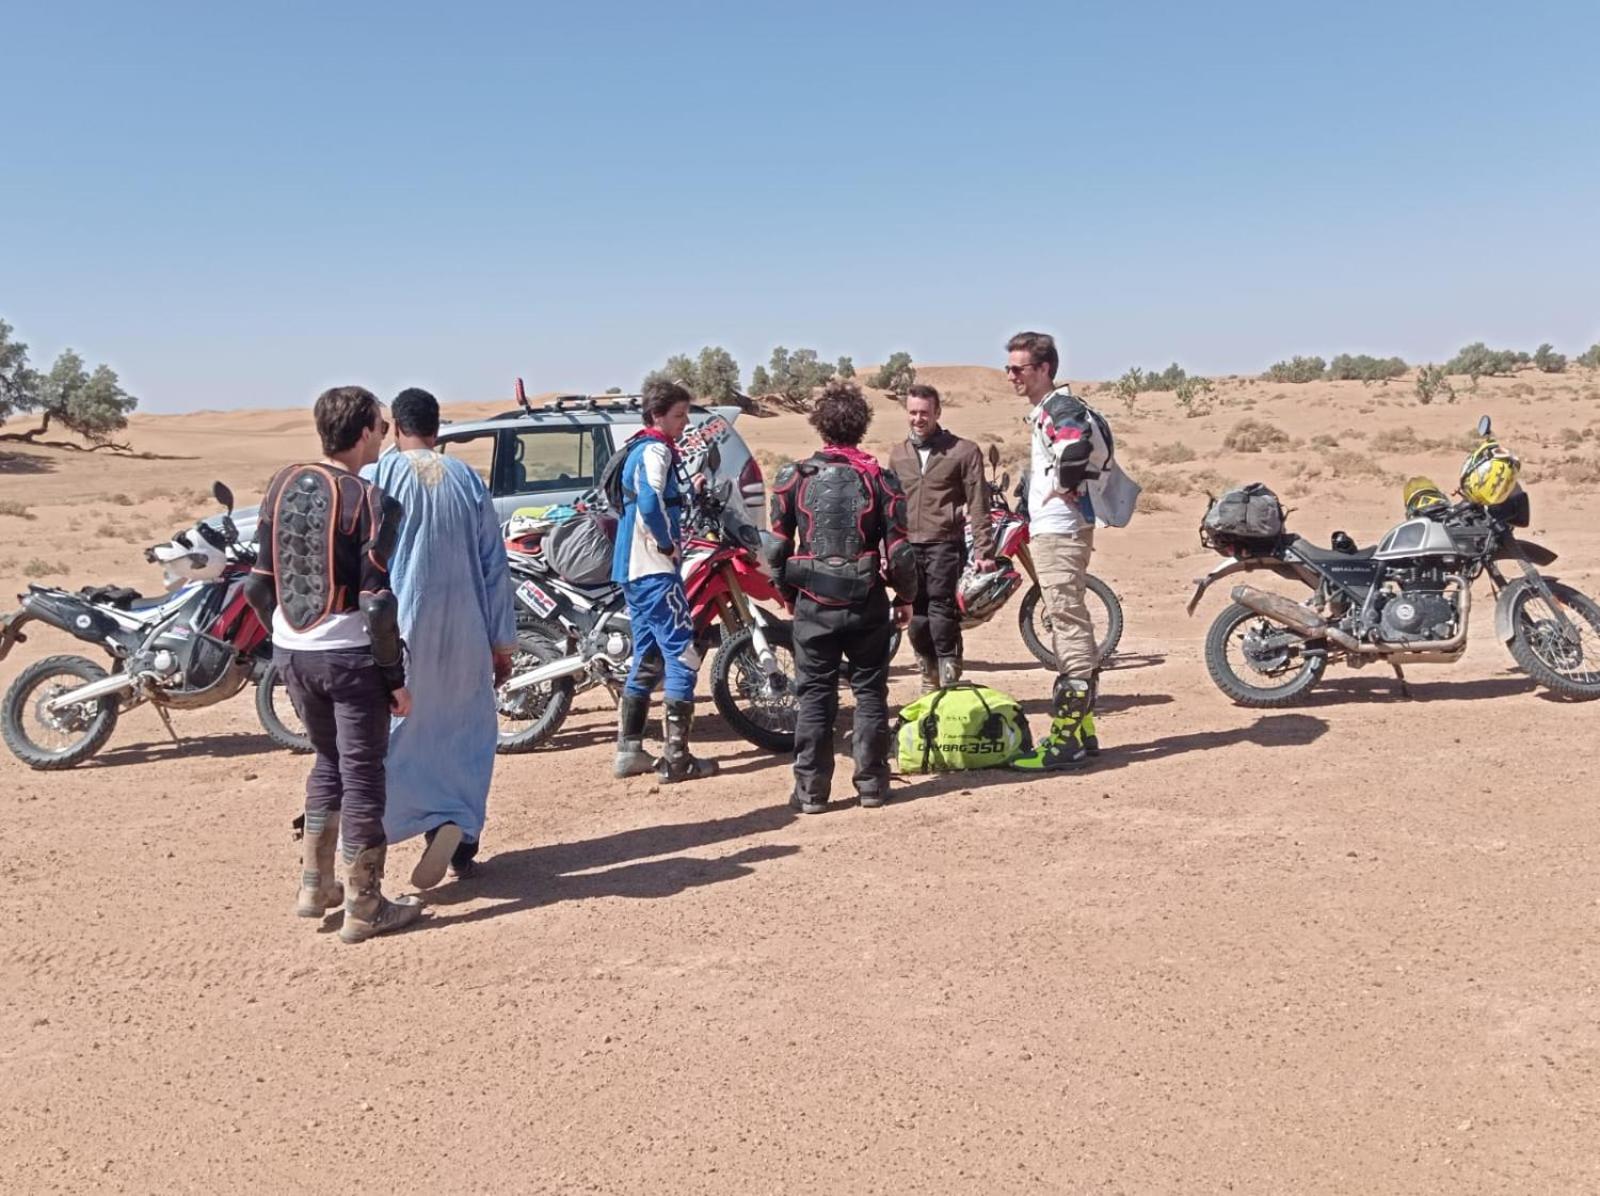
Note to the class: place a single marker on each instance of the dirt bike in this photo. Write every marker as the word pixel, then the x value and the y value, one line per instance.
pixel 572 637
pixel 979 596
pixel 1406 600
pixel 193 647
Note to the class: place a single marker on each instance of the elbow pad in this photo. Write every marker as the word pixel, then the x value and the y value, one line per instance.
pixel 381 613
pixel 261 592
pixel 902 572
pixel 1072 464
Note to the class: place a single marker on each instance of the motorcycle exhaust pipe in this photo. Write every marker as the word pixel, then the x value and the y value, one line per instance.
pixel 554 671
pixel 95 689
pixel 1280 610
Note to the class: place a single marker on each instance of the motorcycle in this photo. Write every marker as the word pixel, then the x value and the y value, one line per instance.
pixel 1406 600
pixel 979 596
pixel 195 646
pixel 574 637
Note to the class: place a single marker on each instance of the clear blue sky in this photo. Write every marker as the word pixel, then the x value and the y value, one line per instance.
pixel 239 204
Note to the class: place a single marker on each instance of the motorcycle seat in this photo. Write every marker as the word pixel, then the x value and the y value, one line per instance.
pixel 1311 552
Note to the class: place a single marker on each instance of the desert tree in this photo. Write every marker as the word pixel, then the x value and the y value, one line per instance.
pixel 717 375
pixel 93 405
pixel 846 368
pixel 897 375
pixel 1549 361
pixel 19 385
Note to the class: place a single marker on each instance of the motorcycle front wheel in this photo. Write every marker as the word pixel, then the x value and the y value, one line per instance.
pixel 531 716
pixel 1257 662
pixel 1565 662
pixel 279 719
pixel 759 707
pixel 1105 612
pixel 45 740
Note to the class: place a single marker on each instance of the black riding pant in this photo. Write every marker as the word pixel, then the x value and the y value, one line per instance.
pixel 341 698
pixel 856 638
pixel 935 619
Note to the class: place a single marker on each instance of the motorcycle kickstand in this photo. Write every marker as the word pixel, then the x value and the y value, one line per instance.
pixel 1405 690
pixel 166 721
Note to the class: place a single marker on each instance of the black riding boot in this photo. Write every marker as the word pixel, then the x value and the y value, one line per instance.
pixel 677 764
pixel 632 760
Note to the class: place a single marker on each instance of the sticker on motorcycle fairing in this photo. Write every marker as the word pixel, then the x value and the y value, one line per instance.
pixel 696 441
pixel 536 599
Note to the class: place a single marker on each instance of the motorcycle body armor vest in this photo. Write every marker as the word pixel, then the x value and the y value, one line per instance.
pixel 325 538
pixel 839 528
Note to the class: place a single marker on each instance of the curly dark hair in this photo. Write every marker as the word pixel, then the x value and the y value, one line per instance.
pixel 841 415
pixel 659 397
pixel 416 412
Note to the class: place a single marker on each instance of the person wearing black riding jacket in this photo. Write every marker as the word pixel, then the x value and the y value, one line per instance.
pixel 839 524
pixel 321 583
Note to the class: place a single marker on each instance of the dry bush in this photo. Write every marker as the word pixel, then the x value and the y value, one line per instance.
pixel 1254 436
pixel 15 509
pixel 1164 482
pixel 1519 390
pixel 1581 473
pixel 1208 481
pixel 38 567
pixel 1569 438
pixel 1324 440
pixel 1352 434
pixel 120 500
pixel 1297 489
pixel 1346 463
pixel 1151 504
pixel 1175 453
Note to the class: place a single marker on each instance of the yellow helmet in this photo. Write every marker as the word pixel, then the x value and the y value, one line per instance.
pixel 1489 475
pixel 1422 496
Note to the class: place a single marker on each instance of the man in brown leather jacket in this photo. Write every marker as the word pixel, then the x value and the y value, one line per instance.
pixel 945 493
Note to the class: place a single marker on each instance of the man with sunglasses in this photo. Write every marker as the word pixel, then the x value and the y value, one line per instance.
pixel 321 583
pixel 1070 449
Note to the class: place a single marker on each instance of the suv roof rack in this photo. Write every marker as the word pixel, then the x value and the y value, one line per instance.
pixel 584 402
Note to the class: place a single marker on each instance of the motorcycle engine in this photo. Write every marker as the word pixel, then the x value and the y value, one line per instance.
pixel 1418 611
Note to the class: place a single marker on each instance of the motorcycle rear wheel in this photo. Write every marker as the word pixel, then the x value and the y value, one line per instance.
pixel 530 717
pixel 1542 651
pixel 1296 680
pixel 85 726
pixel 737 683
pixel 272 700
pixel 1034 623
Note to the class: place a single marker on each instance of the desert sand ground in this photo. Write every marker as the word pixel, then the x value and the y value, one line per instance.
pixel 1350 947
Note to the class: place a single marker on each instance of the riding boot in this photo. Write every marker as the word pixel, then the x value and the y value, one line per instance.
pixel 677 764
pixel 320 889
pixel 1087 735
pixel 929 668
pixel 949 671
pixel 1063 747
pixel 632 714
pixel 367 912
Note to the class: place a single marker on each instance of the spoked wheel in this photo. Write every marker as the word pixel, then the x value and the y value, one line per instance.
pixel 50 739
pixel 1565 661
pixel 1105 614
pixel 1257 662
pixel 531 716
pixel 759 706
pixel 279 718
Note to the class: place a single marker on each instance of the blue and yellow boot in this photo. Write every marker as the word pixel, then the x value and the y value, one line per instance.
pixel 1071 730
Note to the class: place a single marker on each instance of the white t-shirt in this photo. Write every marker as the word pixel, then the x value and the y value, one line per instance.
pixel 1049 511
pixel 347 629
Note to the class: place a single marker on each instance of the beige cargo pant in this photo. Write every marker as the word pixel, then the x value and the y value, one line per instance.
pixel 1062 563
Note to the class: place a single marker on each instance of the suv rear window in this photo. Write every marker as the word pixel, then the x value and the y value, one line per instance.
pixel 538 459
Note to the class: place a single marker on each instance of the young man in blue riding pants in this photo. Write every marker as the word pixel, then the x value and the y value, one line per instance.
pixel 645 563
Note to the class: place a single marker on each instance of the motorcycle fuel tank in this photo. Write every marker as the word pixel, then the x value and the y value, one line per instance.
pixel 1416 537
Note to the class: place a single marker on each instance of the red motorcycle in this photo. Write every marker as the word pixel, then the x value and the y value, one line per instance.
pixel 195 646
pixel 573 636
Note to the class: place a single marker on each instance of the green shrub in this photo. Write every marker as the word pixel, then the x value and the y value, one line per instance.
pixel 1590 357
pixel 1192 395
pixel 1432 384
pixel 1477 360
pixel 897 375
pixel 1297 369
pixel 1168 379
pixel 1549 361
pixel 1361 368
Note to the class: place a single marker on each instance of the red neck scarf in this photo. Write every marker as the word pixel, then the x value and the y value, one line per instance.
pixel 658 434
pixel 865 462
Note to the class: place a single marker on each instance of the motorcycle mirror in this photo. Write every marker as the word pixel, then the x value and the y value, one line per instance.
pixel 223 495
pixel 724 490
pixel 994 456
pixel 1005 479
pixel 713 459
pixel 1483 426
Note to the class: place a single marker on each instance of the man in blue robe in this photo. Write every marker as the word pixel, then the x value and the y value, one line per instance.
pixel 450 575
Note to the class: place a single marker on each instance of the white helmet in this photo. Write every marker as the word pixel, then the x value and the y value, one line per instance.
pixel 980 595
pixel 189 556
